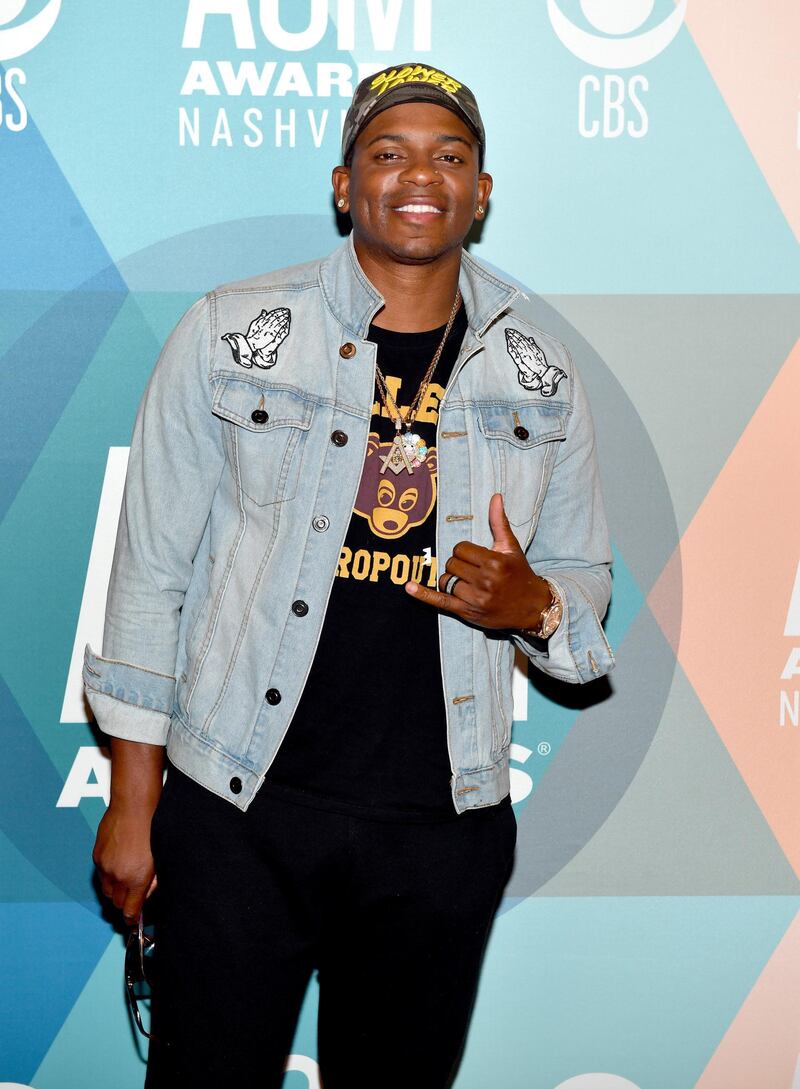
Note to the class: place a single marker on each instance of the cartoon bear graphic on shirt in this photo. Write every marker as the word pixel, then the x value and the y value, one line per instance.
pixel 394 502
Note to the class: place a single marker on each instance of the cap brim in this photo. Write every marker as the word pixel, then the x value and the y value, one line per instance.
pixel 416 92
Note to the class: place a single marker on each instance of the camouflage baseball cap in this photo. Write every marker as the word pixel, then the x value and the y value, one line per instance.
pixel 410 83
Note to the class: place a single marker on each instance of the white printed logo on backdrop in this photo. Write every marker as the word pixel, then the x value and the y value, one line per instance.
pixel 302 1064
pixel 95 588
pixel 246 100
pixel 597 1081
pixel 15 41
pixel 614 105
pixel 790 696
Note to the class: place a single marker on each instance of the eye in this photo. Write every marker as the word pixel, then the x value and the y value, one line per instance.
pixel 387 156
pixel 408 499
pixel 451 158
pixel 385 493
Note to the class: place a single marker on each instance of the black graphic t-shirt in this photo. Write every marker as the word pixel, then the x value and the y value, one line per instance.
pixel 369 734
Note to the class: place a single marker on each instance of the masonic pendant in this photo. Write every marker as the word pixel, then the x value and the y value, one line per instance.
pixel 398 459
pixel 406 453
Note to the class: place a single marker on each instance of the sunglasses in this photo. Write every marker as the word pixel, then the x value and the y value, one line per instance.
pixel 139 950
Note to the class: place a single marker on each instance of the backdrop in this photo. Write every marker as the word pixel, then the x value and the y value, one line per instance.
pixel 647 192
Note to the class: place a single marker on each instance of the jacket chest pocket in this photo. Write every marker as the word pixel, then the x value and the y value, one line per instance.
pixel 523 441
pixel 266 437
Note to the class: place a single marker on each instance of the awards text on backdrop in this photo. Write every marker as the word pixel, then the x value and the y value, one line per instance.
pixel 257 27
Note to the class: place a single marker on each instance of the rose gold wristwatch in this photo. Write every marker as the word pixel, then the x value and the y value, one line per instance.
pixel 550 618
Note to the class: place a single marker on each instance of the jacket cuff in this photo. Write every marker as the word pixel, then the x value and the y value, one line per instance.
pixel 128 701
pixel 578 650
pixel 123 720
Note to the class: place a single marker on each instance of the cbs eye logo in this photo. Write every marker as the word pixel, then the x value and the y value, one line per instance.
pixel 22 38
pixel 616 46
pixel 15 41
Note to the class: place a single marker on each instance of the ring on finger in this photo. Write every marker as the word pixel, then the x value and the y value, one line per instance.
pixel 448 586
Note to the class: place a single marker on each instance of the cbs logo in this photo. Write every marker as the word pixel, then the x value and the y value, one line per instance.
pixel 616 46
pixel 612 106
pixel 22 38
pixel 14 42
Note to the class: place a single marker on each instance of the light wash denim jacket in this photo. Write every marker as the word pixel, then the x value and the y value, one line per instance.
pixel 240 489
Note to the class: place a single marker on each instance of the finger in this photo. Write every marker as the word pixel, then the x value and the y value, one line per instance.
pixel 153 887
pixel 120 894
pixel 466 571
pixel 473 592
pixel 448 582
pixel 132 905
pixel 473 553
pixel 474 596
pixel 503 534
pixel 448 603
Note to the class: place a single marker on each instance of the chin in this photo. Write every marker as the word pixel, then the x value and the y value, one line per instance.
pixel 419 249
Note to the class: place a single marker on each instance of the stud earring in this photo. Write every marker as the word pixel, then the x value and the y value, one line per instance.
pixel 340 202
pixel 480 209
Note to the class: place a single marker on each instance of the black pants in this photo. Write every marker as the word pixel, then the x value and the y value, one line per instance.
pixel 393 916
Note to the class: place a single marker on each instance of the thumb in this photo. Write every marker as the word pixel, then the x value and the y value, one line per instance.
pixel 503 534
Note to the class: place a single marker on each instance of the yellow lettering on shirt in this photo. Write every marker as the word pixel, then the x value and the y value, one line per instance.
pixel 429 405
pixel 365 565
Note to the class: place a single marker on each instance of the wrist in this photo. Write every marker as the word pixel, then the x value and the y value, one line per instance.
pixel 537 600
pixel 129 805
pixel 547 618
pixel 137 773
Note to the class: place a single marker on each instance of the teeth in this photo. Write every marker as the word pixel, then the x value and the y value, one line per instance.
pixel 418 208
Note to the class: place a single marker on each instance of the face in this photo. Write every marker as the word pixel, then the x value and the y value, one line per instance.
pixel 413 186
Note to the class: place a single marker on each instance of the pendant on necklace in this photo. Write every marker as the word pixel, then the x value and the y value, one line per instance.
pixel 399 457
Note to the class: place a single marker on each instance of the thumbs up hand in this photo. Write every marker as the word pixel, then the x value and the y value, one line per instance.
pixel 503 534
pixel 491 587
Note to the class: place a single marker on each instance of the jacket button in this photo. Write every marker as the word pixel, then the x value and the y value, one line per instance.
pixel 347 350
pixel 522 433
pixel 339 438
pixel 273 696
pixel 235 785
pixel 321 523
pixel 299 608
pixel 259 416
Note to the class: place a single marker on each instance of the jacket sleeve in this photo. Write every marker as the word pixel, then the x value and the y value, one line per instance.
pixel 175 463
pixel 571 548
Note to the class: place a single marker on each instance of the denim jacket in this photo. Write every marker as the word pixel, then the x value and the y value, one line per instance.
pixel 244 466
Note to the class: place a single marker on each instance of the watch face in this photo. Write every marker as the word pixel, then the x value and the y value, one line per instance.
pixel 551 619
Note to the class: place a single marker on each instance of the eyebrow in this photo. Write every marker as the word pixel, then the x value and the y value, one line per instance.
pixel 399 138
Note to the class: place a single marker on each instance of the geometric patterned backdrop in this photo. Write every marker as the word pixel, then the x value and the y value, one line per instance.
pixel 646 156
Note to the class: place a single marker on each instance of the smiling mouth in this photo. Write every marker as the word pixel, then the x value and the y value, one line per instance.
pixel 420 209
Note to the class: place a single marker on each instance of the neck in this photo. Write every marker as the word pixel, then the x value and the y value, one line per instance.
pixel 417 297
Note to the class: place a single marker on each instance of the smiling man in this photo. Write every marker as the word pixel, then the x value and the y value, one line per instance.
pixel 355 486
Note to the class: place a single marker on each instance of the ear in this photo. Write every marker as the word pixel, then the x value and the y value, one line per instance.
pixel 374 443
pixel 485 185
pixel 340 179
pixel 431 461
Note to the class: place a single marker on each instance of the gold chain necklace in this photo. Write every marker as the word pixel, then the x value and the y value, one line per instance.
pixel 403 452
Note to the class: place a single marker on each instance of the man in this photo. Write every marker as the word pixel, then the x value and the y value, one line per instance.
pixel 354 487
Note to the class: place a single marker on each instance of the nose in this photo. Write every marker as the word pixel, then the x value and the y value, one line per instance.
pixel 421 170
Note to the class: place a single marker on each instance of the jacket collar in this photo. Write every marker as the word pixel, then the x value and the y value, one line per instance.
pixel 353 300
